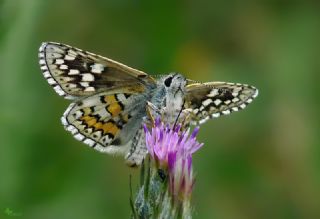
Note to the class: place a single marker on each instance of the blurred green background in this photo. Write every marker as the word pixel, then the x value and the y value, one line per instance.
pixel 263 162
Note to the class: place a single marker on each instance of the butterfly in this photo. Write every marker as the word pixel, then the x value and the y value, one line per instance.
pixel 110 99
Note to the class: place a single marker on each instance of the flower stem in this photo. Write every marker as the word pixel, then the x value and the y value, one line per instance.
pixel 154 199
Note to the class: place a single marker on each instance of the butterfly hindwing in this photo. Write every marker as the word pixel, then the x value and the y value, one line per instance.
pixel 106 121
pixel 213 99
pixel 73 72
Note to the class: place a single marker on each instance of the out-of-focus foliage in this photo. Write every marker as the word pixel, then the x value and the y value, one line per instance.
pixel 263 162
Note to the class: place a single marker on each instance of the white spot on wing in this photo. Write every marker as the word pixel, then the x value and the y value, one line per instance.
pixel 235 109
pixel 206 102
pixel 46 74
pixel 74 72
pixel 59 90
pixel 87 77
pixel 84 84
pixel 213 93
pixel 44 68
pixel 226 112
pixel 72 129
pixel 97 68
pixel 217 102
pixel 59 61
pixel 51 81
pixel 215 115
pixel 79 137
pixel 89 142
pixel 242 106
pixel 63 67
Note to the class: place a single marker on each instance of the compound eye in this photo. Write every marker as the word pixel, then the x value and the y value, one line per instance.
pixel 168 81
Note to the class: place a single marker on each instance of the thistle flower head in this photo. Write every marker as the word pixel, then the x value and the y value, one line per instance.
pixel 172 149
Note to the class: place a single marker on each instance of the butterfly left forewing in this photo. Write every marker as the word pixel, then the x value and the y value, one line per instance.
pixel 213 99
pixel 76 73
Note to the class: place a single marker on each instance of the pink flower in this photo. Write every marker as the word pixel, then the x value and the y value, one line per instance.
pixel 172 149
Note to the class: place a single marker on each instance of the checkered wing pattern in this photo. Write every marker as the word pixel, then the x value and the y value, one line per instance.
pixel 210 100
pixel 74 73
pixel 105 121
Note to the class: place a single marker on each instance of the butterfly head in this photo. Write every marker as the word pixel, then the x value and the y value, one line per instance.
pixel 174 83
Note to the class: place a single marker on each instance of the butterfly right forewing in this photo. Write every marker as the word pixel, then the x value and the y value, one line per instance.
pixel 210 100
